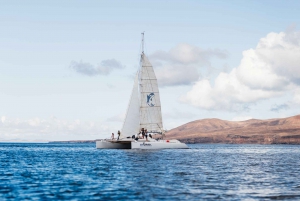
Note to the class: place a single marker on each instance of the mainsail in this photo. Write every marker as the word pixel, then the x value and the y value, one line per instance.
pixel 144 109
pixel 150 108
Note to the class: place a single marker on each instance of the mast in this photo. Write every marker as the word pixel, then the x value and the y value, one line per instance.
pixel 143 42
pixel 144 109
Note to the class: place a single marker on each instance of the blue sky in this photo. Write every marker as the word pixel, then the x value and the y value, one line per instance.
pixel 201 50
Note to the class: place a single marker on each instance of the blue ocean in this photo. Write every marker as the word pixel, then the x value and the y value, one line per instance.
pixel 203 172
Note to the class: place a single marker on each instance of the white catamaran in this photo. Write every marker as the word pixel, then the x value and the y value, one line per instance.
pixel 144 111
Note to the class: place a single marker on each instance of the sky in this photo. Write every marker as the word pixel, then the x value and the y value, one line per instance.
pixel 67 67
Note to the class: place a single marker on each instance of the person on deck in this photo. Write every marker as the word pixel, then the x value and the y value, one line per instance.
pixel 112 136
pixel 143 133
pixel 119 133
pixel 146 134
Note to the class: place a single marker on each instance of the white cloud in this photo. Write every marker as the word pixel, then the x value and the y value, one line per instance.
pixel 180 65
pixel 175 114
pixel 117 118
pixel 51 129
pixel 296 99
pixel 3 119
pixel 241 118
pixel 270 70
pixel 106 67
pixel 172 75
pixel 277 108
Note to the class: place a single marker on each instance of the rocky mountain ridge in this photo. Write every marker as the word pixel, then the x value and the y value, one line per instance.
pixel 253 131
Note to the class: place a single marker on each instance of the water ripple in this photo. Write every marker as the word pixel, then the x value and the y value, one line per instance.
pixel 204 172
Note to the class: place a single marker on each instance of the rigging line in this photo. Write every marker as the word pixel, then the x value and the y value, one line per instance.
pixel 140 87
pixel 160 128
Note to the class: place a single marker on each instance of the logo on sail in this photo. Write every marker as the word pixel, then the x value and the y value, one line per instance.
pixel 150 99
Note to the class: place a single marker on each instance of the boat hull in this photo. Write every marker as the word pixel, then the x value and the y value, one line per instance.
pixel 158 145
pixel 112 145
pixel 140 144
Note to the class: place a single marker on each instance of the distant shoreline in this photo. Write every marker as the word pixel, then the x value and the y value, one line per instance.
pixel 72 141
pixel 187 141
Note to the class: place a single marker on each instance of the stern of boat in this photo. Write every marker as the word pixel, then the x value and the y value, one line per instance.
pixel 105 144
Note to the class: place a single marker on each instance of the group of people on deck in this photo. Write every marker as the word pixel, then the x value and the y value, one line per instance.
pixel 113 135
pixel 143 132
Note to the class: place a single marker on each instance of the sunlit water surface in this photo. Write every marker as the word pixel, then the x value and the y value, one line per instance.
pixel 203 172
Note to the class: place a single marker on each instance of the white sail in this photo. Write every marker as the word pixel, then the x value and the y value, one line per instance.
pixel 150 107
pixel 131 124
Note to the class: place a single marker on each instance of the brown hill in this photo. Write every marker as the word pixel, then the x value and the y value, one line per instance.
pixel 254 131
